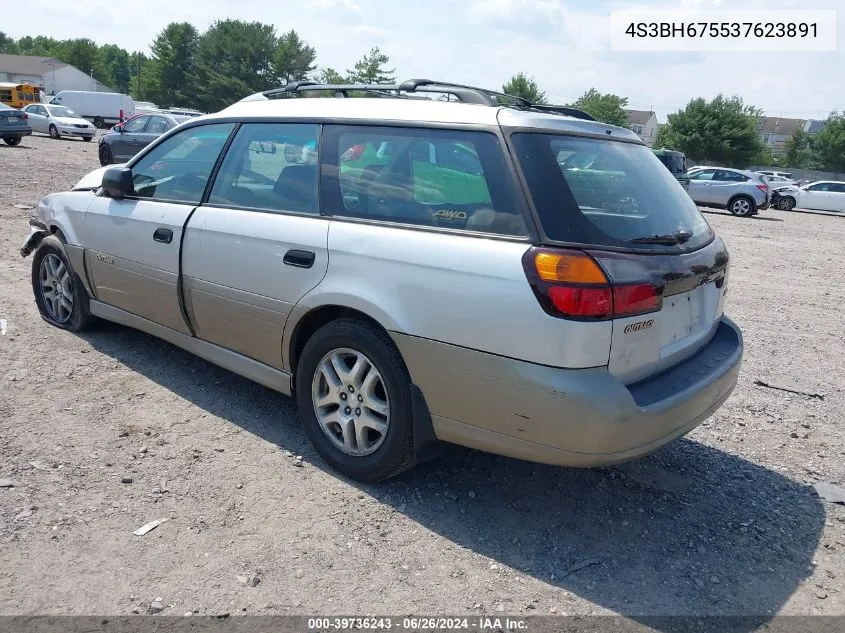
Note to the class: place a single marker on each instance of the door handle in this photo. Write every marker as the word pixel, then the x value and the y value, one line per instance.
pixel 300 259
pixel 163 235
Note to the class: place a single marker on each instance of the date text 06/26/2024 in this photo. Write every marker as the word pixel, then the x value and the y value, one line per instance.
pixel 716 30
pixel 415 624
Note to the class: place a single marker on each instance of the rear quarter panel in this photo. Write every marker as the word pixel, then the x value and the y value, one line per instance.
pixel 452 288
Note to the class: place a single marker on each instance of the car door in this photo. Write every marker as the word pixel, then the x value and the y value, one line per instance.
pixel 130 140
pixel 259 244
pixel 725 185
pixel 156 126
pixel 837 197
pixel 700 183
pixel 132 244
pixel 815 196
pixel 37 120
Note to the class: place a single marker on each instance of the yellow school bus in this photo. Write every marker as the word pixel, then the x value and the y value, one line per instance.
pixel 18 95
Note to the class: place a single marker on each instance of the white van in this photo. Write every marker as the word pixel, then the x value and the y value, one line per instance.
pixel 104 109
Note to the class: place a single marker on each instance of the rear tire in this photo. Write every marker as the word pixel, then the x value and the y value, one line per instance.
pixel 106 157
pixel 12 140
pixel 99 123
pixel 59 294
pixel 54 132
pixel 341 429
pixel 742 206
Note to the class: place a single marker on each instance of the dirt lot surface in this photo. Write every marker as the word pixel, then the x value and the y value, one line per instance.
pixel 725 521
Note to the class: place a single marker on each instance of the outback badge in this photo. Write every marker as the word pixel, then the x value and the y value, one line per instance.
pixel 639 326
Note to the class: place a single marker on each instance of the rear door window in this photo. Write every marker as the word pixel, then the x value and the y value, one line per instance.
pixel 607 193
pixel 270 166
pixel 729 176
pixel 447 178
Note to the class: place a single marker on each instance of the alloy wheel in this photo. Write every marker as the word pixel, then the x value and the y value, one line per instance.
pixel 350 401
pixel 56 288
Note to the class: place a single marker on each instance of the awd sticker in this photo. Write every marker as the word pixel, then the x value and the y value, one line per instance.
pixel 448 214
pixel 108 259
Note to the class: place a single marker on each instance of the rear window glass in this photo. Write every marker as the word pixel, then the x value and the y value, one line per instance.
pixel 606 193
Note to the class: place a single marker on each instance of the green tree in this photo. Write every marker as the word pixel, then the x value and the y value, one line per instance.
pixel 40 46
pixel 331 76
pixel 371 69
pixel 798 154
pixel 175 51
pixel 520 85
pixel 8 45
pixel 828 145
pixel 85 55
pixel 234 60
pixel 294 58
pixel 115 61
pixel 722 130
pixel 607 108
pixel 143 84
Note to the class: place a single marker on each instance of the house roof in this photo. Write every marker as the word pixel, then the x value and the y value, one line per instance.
pixel 814 127
pixel 776 125
pixel 638 117
pixel 28 64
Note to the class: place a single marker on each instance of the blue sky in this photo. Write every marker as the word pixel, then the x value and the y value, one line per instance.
pixel 563 44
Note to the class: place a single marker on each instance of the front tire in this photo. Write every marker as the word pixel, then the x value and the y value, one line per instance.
pixel 742 206
pixel 12 140
pixel 354 399
pixel 787 203
pixel 59 295
pixel 106 157
pixel 54 132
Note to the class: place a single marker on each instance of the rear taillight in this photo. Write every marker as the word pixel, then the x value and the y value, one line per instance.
pixel 763 187
pixel 570 284
pixel 25 116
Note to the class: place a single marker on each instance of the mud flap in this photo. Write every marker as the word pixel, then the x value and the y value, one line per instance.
pixel 426 445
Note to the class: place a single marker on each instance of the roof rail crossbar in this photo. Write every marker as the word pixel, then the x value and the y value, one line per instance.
pixel 566 110
pixel 411 85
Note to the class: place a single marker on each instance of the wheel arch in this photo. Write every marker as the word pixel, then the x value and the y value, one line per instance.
pixel 304 322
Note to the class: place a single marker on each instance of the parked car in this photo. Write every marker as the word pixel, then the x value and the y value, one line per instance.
pixel 58 121
pixel 779 176
pixel 676 163
pixel 126 139
pixel 743 193
pixel 184 112
pixel 779 182
pixel 824 195
pixel 104 109
pixel 14 125
pixel 403 282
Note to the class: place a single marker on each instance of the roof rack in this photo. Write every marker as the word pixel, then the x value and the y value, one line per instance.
pixel 463 93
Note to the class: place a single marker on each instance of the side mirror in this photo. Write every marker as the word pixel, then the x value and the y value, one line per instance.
pixel 117 182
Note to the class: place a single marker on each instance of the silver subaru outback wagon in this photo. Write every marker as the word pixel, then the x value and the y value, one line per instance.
pixel 507 277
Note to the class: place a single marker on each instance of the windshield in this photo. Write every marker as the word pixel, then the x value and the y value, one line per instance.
pixel 606 193
pixel 62 111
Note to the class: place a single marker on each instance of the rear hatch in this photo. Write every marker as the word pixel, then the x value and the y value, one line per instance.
pixel 622 242
pixel 11 119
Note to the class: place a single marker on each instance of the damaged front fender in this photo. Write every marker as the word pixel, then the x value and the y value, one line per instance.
pixel 37 232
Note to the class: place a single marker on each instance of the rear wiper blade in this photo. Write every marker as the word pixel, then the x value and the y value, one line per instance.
pixel 669 239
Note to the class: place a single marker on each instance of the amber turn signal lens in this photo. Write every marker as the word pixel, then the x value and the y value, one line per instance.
pixel 569 267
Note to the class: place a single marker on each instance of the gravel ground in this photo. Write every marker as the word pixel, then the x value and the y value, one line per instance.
pixel 724 521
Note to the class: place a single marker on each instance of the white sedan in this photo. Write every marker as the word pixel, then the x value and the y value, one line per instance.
pixel 58 121
pixel 824 195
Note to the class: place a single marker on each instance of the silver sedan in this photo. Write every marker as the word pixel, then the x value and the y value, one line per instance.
pixel 58 121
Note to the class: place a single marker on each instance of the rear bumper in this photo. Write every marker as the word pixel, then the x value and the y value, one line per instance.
pixel 14 132
pixel 568 417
